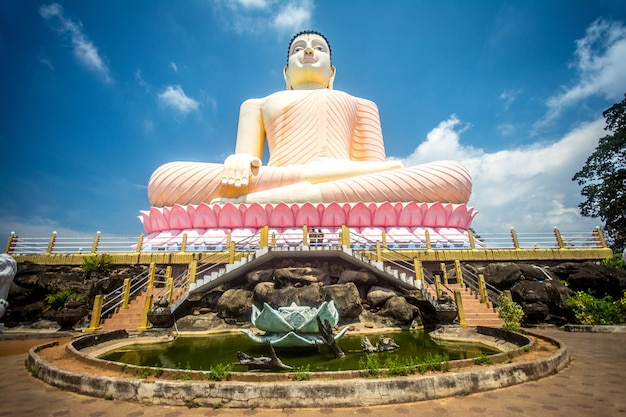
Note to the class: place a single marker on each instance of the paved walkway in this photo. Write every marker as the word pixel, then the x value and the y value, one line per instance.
pixel 592 385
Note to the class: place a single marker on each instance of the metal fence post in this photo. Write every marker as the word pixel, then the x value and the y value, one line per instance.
pixel 96 311
pixel 53 239
pixel 145 324
pixel 459 305
pixel 458 271
pixel 126 293
pixel 96 242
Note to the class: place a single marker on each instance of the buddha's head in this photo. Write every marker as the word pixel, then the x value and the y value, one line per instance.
pixel 309 62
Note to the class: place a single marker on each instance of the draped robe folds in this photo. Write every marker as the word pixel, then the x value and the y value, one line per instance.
pixel 313 129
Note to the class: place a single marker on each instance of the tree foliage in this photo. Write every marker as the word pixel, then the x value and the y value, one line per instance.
pixel 604 178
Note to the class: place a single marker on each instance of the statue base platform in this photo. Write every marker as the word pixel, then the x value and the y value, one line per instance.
pixel 404 224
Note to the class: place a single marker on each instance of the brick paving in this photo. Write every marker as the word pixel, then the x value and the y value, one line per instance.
pixel 592 385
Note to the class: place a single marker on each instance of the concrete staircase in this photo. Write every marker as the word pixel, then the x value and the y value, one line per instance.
pixel 476 313
pixel 131 318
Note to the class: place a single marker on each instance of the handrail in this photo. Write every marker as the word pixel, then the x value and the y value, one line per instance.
pixel 93 245
pixel 470 279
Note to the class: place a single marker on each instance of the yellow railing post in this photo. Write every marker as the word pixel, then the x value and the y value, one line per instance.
pixel 169 285
pixel 514 237
pixel 96 242
pixel 229 239
pixel 429 246
pixel 597 232
pixel 273 241
pixel 345 230
pixel 231 253
pixel 472 242
pixel 482 288
pixel 559 238
pixel 264 237
pixel 459 305
pixel 125 293
pixel 444 273
pixel 145 324
pixel 151 274
pixel 458 272
pixel 11 242
pixel 139 242
pixel 183 243
pixel 192 271
pixel 438 285
pixel 53 239
pixel 305 235
pixel 507 294
pixel 94 323
pixel 384 237
pixel 419 273
pixel 379 255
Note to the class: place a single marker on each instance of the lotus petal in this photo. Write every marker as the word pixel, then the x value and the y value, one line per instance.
pixel 333 216
pixel 230 217
pixel 179 218
pixel 204 217
pixel 359 216
pixel 270 320
pixel 292 339
pixel 255 216
pixel 307 214
pixel 385 216
pixel 326 311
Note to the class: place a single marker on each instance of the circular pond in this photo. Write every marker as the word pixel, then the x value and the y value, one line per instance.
pixel 207 351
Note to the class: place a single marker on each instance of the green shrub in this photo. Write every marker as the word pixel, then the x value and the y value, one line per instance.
pixel 97 265
pixel 219 372
pixel 371 364
pixel 617 261
pixel 483 360
pixel 510 312
pixel 589 310
pixel 57 300
pixel 302 373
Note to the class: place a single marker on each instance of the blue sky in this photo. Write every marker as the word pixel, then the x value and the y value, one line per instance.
pixel 97 94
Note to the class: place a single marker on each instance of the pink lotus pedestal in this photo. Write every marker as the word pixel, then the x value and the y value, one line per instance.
pixel 405 224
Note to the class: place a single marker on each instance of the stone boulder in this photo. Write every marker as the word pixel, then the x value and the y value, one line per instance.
pixel 310 295
pixel 377 296
pixel 398 308
pixel 299 275
pixel 504 275
pixel 261 275
pixel 204 322
pixel 347 300
pixel 235 303
pixel 542 301
pixel 602 280
pixel 357 277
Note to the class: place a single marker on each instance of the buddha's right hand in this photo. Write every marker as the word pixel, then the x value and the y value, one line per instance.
pixel 238 168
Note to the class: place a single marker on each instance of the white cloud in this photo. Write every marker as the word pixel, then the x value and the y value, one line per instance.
pixel 173 96
pixel 36 226
pixel 527 188
pixel 293 17
pixel 600 61
pixel 84 50
pixel 259 16
pixel 508 97
pixel 173 66
pixel 252 4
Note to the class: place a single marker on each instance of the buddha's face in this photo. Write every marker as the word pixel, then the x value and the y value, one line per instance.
pixel 309 63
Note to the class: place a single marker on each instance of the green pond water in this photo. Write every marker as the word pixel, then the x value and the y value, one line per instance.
pixel 202 353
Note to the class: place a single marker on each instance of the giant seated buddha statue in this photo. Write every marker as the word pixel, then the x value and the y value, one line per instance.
pixel 324 146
